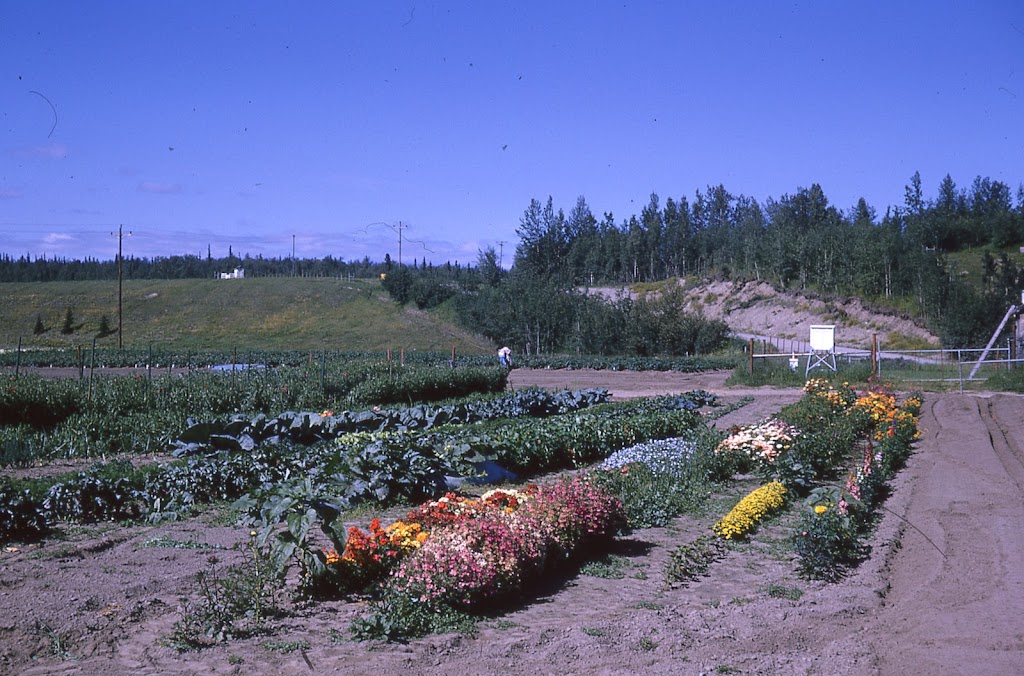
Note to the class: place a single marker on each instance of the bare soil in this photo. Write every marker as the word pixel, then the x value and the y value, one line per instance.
pixel 943 590
pixel 785 318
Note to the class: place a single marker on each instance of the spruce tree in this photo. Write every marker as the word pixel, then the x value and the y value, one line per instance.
pixel 69 322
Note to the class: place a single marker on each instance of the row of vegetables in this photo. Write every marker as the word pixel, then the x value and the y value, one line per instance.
pixel 103 415
pixel 374 455
pixel 44 419
pixel 157 358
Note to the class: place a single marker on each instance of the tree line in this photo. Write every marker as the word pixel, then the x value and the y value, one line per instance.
pixel 802 242
pixel 26 269
pixel 903 259
pixel 54 269
pixel 799 241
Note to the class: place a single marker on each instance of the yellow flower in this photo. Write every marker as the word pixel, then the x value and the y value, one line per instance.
pixel 820 509
pixel 751 509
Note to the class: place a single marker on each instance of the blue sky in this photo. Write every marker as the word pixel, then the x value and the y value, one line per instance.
pixel 259 125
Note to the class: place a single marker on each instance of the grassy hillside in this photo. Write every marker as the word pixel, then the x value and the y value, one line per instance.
pixel 265 314
pixel 968 263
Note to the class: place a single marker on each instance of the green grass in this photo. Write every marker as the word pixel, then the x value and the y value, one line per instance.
pixel 285 647
pixel 647 605
pixel 609 567
pixel 779 591
pixel 969 262
pixel 168 542
pixel 646 644
pixel 258 314
pixel 59 642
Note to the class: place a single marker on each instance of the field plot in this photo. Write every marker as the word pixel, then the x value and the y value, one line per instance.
pixel 941 592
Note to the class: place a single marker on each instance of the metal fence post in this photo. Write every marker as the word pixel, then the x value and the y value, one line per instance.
pixel 92 366
pixel 323 371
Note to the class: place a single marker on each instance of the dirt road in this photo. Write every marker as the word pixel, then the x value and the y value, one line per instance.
pixel 955 598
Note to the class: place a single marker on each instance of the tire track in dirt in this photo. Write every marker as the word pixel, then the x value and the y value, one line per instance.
pixel 955 598
pixel 1004 429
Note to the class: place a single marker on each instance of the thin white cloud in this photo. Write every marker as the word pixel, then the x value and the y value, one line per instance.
pixel 160 188
pixel 55 238
pixel 10 194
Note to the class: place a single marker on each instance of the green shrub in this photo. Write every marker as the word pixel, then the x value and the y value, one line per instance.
pixel 20 446
pixel 826 539
pixel 413 384
pixel 689 561
pixel 651 499
pixel 36 402
pixel 397 617
pixel 826 436
pixel 91 496
pixel 234 601
pixel 582 438
pixel 22 515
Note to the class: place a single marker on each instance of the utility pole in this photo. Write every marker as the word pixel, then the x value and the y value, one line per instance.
pixel 293 255
pixel 120 278
pixel 399 230
pixel 501 253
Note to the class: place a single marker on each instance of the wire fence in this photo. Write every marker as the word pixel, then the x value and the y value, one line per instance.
pixel 960 366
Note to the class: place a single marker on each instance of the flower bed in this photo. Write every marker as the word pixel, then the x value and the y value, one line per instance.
pixel 839 398
pixel 761 443
pixel 663 456
pixel 745 516
pixel 804 449
pixel 486 550
pixel 828 539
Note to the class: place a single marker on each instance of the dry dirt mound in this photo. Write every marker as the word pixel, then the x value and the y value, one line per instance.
pixel 757 308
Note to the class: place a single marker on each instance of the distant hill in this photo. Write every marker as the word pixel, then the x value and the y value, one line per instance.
pixel 287 313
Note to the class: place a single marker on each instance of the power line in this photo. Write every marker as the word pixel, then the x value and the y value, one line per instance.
pixel 398 229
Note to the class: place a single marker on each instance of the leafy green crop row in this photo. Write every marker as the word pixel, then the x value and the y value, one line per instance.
pixel 163 359
pixel 358 467
pixel 41 418
pixel 240 432
pixel 106 357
